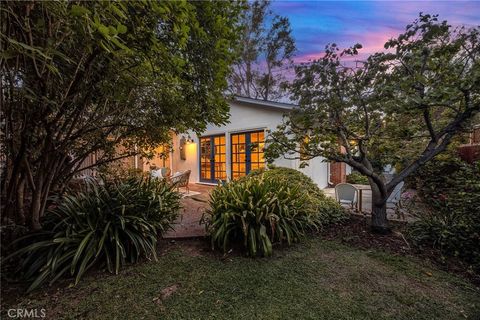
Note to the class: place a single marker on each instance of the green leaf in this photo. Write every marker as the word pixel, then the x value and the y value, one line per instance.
pixel 80 249
pixel 104 30
pixel 121 28
pixel 77 10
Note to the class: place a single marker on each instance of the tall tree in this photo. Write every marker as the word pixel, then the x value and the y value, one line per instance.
pixel 79 77
pixel 422 93
pixel 265 52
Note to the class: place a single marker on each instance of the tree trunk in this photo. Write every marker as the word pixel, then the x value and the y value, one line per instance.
pixel 379 219
pixel 20 217
pixel 35 210
pixel 248 77
pixel 379 211
pixel 267 85
pixel 12 179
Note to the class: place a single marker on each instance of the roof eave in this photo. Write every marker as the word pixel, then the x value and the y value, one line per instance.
pixel 265 103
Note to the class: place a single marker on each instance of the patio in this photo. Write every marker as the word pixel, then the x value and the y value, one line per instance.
pixel 194 204
pixel 196 201
pixel 367 206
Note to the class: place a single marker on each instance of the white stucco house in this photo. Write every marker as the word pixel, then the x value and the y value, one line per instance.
pixel 233 150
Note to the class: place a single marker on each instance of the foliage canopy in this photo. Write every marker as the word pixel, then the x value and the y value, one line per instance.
pixel 418 94
pixel 83 77
pixel 265 52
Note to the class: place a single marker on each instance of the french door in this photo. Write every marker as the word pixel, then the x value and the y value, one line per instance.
pixel 213 165
pixel 247 152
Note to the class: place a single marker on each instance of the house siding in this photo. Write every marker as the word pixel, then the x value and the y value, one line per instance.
pixel 243 118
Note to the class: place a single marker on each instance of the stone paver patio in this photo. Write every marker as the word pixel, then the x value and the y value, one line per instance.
pixel 194 204
pixel 367 206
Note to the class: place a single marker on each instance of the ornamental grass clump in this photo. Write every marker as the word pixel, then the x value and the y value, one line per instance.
pixel 258 212
pixel 103 225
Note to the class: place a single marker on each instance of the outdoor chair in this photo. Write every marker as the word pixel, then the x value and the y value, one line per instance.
pixel 162 173
pixel 394 201
pixel 165 172
pixel 346 193
pixel 180 180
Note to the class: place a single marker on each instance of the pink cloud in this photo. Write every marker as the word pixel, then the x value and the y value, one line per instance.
pixel 371 41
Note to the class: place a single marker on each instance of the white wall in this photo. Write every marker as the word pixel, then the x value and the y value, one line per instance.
pixel 318 171
pixel 191 155
pixel 243 118
pixel 348 169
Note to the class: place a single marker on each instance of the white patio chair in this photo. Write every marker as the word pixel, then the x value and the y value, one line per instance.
pixel 346 193
pixel 394 200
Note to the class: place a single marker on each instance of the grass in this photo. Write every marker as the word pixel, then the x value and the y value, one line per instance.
pixel 315 280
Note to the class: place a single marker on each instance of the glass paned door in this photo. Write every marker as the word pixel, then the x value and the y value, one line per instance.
pixel 213 163
pixel 247 152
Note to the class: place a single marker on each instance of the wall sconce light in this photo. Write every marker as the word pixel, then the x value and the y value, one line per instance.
pixel 183 142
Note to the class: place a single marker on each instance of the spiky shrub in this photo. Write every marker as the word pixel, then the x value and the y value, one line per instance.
pixel 258 212
pixel 103 225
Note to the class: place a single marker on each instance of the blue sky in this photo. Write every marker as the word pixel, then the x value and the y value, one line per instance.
pixel 371 23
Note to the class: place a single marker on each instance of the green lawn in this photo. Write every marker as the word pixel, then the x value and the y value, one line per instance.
pixel 315 280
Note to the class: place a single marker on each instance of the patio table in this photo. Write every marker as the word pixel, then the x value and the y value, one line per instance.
pixel 360 188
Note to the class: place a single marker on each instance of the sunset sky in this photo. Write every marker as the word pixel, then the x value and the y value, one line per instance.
pixel 371 23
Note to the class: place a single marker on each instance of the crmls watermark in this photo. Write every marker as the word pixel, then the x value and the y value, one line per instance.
pixel 26 313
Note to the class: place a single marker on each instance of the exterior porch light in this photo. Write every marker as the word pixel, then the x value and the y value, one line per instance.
pixel 184 141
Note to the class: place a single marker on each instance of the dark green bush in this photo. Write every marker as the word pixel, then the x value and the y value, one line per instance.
pixel 329 210
pixel 451 188
pixel 265 207
pixel 103 225
pixel 357 178
pixel 289 176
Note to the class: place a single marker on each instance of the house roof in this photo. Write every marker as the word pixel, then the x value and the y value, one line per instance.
pixel 264 103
